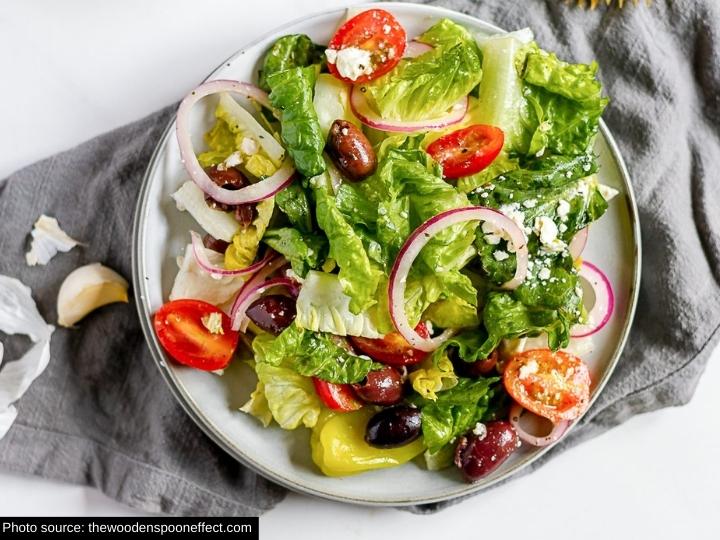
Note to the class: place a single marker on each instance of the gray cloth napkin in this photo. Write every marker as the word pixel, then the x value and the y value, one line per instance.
pixel 101 414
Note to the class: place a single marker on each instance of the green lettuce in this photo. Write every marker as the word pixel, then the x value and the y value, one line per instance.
pixel 305 251
pixel 290 397
pixel 292 94
pixel 455 411
pixel 294 50
pixel 312 355
pixel 294 203
pixel 428 85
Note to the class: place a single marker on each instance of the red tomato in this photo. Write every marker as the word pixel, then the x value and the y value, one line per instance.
pixel 555 385
pixel 376 31
pixel 468 150
pixel 179 327
pixel 338 397
pixel 393 349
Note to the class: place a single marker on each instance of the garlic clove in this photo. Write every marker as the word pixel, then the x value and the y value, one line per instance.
pixel 87 288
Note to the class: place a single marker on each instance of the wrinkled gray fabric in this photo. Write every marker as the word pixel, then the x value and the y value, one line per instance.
pixel 101 415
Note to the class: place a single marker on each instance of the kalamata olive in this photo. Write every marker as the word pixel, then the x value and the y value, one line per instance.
pixel 395 426
pixel 351 151
pixel 479 368
pixel 272 313
pixel 477 455
pixel 382 387
pixel 232 179
pixel 210 242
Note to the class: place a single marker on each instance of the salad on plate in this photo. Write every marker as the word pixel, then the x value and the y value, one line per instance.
pixel 389 232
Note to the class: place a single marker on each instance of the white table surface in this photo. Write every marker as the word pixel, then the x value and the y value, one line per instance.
pixel 73 69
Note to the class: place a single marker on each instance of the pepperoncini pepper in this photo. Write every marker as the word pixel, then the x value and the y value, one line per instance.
pixel 339 447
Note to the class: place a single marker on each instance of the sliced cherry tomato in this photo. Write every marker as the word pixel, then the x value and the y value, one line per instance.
pixel 375 31
pixel 393 349
pixel 555 385
pixel 182 333
pixel 468 150
pixel 338 397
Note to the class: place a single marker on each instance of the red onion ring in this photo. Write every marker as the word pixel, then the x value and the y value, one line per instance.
pixel 416 48
pixel 604 301
pixel 367 116
pixel 249 294
pixel 249 194
pixel 217 271
pixel 578 243
pixel 558 429
pixel 419 238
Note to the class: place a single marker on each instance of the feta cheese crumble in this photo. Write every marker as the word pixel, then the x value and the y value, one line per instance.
pixel 547 232
pixel 500 255
pixel 480 430
pixel 563 209
pixel 544 273
pixel 528 369
pixel 351 62
pixel 213 323
pixel 249 146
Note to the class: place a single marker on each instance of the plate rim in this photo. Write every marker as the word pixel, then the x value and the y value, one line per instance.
pixel 192 410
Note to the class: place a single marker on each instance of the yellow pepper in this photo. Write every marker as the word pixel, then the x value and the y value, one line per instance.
pixel 431 378
pixel 339 447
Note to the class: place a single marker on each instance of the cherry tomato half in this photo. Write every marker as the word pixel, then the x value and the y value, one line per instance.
pixel 468 150
pixel 180 329
pixel 377 32
pixel 338 397
pixel 555 385
pixel 393 349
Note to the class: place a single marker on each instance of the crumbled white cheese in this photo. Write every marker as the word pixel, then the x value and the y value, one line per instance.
pixel 249 146
pixel 547 232
pixel 493 234
pixel 500 255
pixel 386 28
pixel 530 203
pixel 562 227
pixel 351 62
pixel 607 192
pixel 480 430
pixel 234 159
pixel 544 273
pixel 563 209
pixel 344 131
pixel 47 239
pixel 528 369
pixel 213 323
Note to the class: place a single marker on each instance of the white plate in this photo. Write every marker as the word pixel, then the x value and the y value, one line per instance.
pixel 161 232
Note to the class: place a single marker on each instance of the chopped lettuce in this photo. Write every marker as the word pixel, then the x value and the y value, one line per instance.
pixel 428 85
pixel 303 250
pixel 332 102
pixel 294 203
pixel 243 250
pixel 234 125
pixel 358 276
pixel 291 397
pixel 294 50
pixel 311 354
pixel 292 94
pixel 190 198
pixel 322 306
pixel 454 411
pixel 258 406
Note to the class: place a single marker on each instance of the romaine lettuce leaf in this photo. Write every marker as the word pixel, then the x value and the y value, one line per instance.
pixel 322 306
pixel 428 85
pixel 455 410
pixel 311 354
pixel 290 397
pixel 293 202
pixel 294 50
pixel 358 276
pixel 304 250
pixel 292 94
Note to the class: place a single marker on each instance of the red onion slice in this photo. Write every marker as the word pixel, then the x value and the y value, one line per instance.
pixel 602 309
pixel 558 429
pixel 416 48
pixel 259 191
pixel 578 243
pixel 367 116
pixel 217 271
pixel 420 237
pixel 248 295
